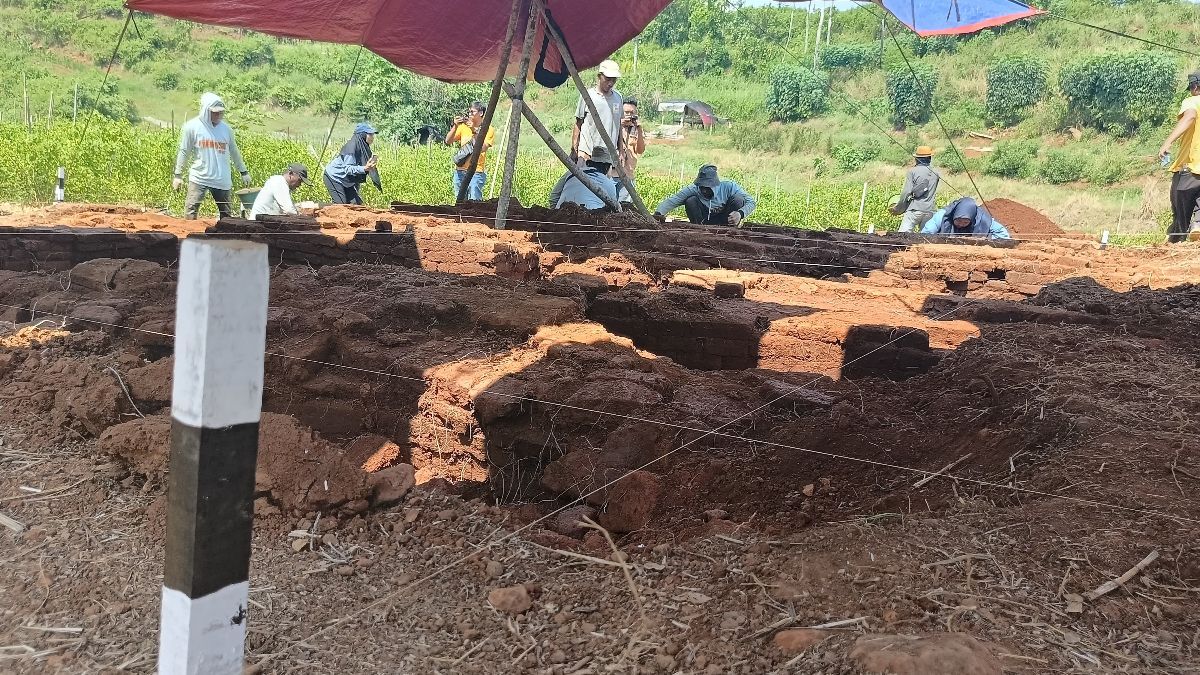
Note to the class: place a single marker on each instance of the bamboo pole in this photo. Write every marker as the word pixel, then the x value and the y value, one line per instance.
pixel 25 98
pixel 817 42
pixel 50 111
pixel 862 204
pixel 75 108
pixel 609 145
pixel 494 175
pixel 540 130
pixel 481 135
pixel 514 121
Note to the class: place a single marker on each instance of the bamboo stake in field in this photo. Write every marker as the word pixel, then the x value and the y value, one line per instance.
pixel 25 98
pixel 817 42
pixel 862 204
pixel 514 121
pixel 75 109
pixel 494 174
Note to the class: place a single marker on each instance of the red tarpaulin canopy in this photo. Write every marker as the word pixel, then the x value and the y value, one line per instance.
pixel 450 40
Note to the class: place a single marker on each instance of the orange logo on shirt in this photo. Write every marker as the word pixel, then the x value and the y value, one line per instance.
pixel 219 146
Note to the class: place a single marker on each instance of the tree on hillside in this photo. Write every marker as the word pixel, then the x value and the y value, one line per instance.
pixel 398 102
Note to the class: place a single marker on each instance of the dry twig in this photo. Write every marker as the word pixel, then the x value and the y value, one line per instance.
pixel 1110 586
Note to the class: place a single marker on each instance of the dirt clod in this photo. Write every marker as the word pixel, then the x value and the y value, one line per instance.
pixel 941 654
pixel 511 599
pixel 796 640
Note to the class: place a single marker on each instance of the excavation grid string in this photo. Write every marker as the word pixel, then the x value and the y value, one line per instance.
pixel 681 427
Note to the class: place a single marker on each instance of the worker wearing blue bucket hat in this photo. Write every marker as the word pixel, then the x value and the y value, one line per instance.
pixel 351 167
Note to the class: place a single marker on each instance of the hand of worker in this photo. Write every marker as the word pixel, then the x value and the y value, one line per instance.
pixel 245 178
pixel 1164 151
pixel 574 156
pixel 176 183
pixel 371 163
pixel 735 219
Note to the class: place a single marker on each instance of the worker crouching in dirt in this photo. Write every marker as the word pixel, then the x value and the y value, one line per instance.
pixel 963 217
pixel 710 200
pixel 920 191
pixel 570 189
pixel 275 198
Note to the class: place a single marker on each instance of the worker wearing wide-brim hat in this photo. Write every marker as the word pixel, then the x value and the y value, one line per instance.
pixel 917 199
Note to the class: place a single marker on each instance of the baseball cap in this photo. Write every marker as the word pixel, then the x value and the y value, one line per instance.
pixel 217 107
pixel 609 68
pixel 364 128
pixel 707 176
pixel 1194 80
pixel 299 170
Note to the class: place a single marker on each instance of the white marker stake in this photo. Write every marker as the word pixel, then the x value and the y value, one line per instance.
pixel 862 204
pixel 1104 239
pixel 871 228
pixel 216 404
pixel 60 185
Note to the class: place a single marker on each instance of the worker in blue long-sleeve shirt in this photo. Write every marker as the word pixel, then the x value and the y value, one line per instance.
pixel 710 200
pixel 963 217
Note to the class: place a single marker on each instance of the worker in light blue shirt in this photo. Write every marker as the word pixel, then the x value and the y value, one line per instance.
pixel 710 200
pixel 570 189
pixel 963 217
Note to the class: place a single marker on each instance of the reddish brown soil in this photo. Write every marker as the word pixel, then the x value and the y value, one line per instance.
pixel 1021 220
pixel 753 439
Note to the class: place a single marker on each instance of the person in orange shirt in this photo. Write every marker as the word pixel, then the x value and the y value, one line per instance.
pixel 1185 184
pixel 463 133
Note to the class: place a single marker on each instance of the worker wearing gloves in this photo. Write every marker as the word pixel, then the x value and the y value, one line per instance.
pixel 963 217
pixel 210 139
pixel 275 198
pixel 710 200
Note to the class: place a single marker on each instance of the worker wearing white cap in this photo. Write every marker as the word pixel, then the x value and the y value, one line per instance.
pixel 608 103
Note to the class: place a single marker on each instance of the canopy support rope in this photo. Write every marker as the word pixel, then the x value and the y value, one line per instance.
pixel 338 111
pixel 104 82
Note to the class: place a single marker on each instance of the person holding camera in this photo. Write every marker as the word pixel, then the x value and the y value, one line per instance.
pixel 463 133
pixel 631 146
pixel 352 166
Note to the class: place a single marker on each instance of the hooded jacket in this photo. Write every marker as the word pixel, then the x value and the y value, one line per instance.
pixel 348 167
pixel 982 223
pixel 213 147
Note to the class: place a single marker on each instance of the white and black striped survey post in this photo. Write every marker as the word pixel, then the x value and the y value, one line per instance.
pixel 216 403
pixel 60 185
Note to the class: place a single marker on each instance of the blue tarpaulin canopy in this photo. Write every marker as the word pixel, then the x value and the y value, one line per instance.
pixel 953 17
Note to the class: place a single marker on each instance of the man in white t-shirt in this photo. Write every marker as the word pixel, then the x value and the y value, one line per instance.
pixel 608 103
pixel 275 198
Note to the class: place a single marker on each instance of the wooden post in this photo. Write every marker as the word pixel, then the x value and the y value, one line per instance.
pixel 609 145
pixel 807 20
pixel 862 204
pixel 75 107
pixel 50 111
pixel 808 207
pixel 25 98
pixel 481 135
pixel 514 120
pixel 216 403
pixel 635 54
pixel 829 23
pixel 817 42
pixel 540 130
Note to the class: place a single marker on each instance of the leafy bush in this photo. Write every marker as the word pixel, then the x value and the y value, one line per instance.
pixel 1012 159
pixel 938 44
pixel 796 93
pixel 1060 166
pixel 849 57
pixel 289 97
pixel 962 117
pixel 167 79
pixel 911 97
pixel 1013 84
pixel 753 56
pixel 245 53
pixel 804 140
pixel 1120 93
pixel 701 58
pixel 852 157
pixel 1106 171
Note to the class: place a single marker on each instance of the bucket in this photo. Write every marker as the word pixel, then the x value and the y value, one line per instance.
pixel 247 196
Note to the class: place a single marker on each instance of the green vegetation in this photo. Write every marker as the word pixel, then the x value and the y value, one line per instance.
pixel 1100 103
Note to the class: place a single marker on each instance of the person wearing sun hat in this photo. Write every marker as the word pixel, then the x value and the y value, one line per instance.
pixel 609 104
pixel 916 203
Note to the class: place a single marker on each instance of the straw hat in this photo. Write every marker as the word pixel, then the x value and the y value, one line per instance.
pixel 923 151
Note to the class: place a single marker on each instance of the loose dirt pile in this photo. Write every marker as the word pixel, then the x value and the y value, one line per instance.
pixel 1023 221
pixel 755 440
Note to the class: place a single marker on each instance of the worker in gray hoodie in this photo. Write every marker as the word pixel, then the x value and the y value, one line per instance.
pixel 210 139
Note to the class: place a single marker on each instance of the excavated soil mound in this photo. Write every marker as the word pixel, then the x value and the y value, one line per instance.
pixel 106 216
pixel 1021 220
